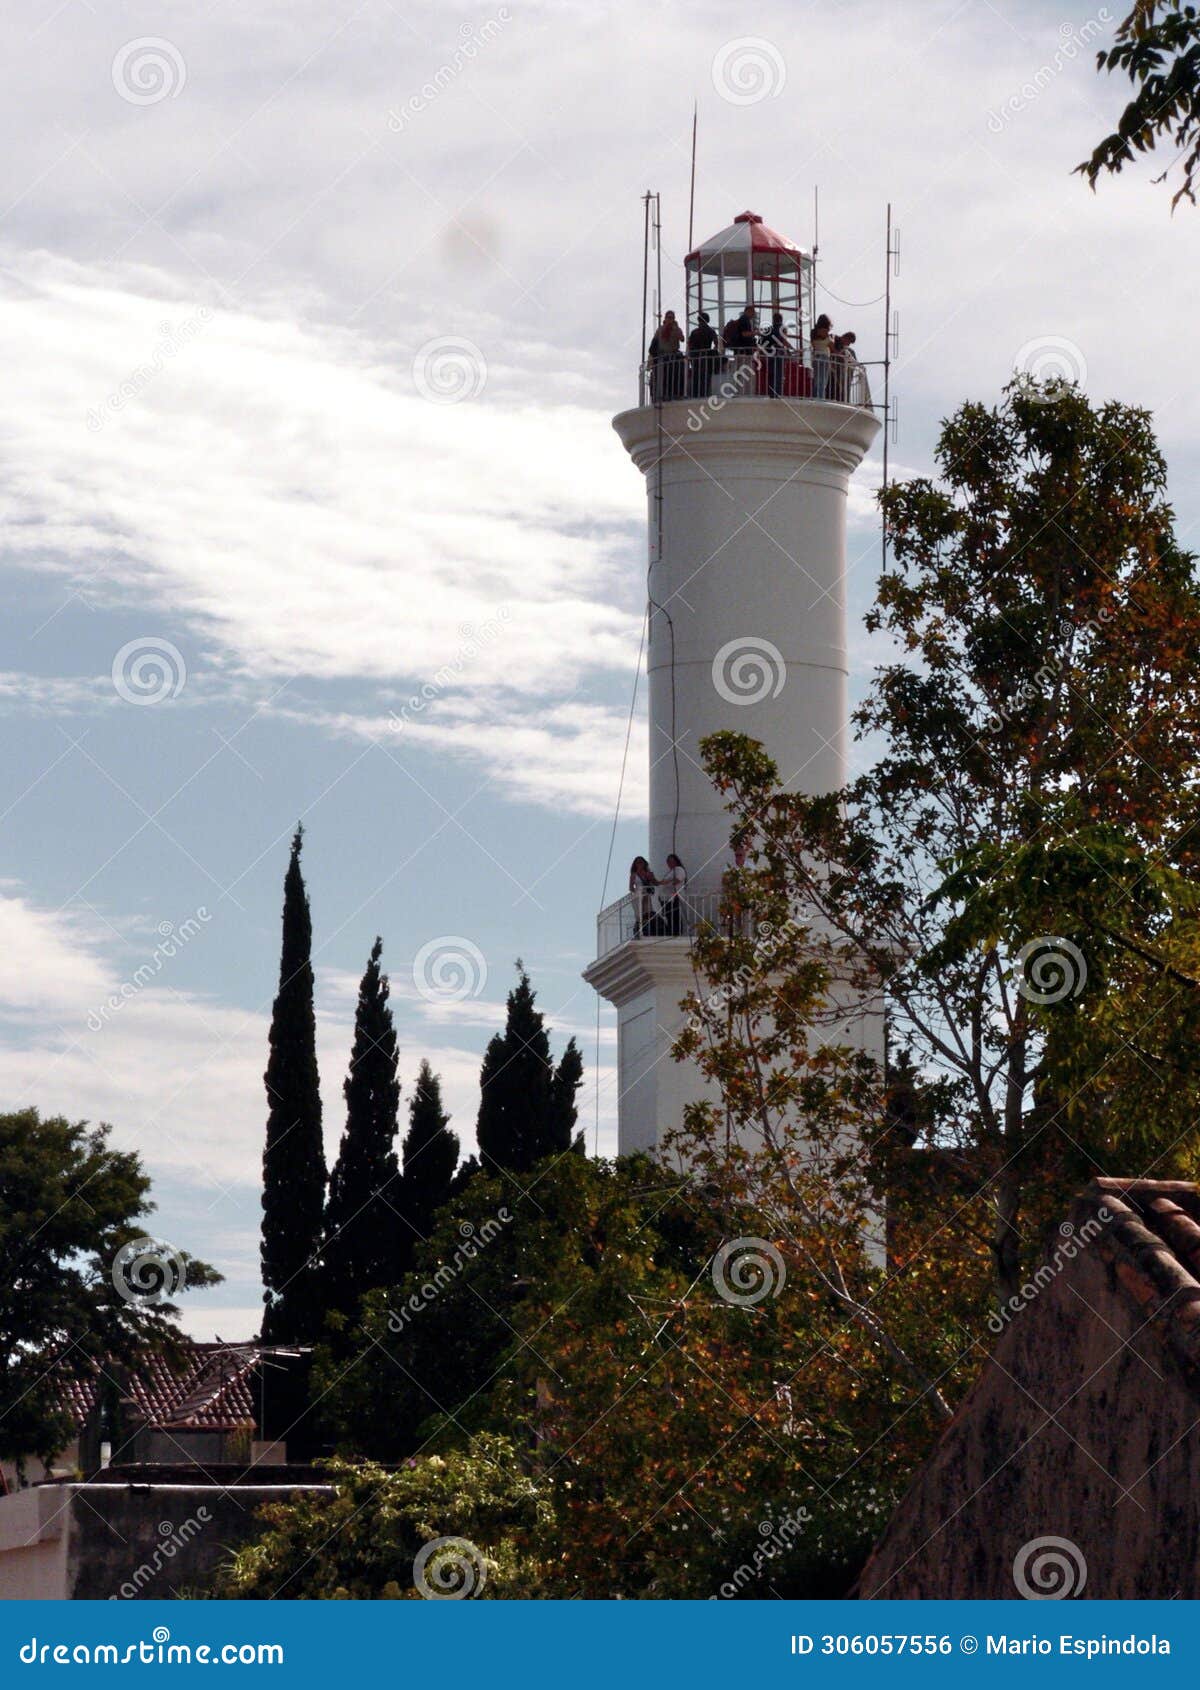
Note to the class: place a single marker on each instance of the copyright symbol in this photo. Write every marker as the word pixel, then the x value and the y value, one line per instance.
pixel 968 1644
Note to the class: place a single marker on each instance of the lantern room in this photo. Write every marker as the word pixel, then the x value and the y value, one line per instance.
pixel 749 266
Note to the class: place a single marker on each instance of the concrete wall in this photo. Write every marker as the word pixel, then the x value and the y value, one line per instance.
pixel 129 1541
pixel 1084 1427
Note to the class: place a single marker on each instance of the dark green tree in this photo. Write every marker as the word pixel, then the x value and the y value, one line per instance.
pixel 527 1106
pixel 71 1301
pixel 430 1156
pixel 294 1175
pixel 467 1169
pixel 1158 48
pixel 363 1224
pixel 564 1089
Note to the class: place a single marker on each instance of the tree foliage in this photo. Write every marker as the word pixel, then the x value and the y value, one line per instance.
pixel 1158 48
pixel 430 1156
pixel 527 1104
pixel 363 1225
pixel 69 1203
pixel 294 1174
pixel 1000 874
pixel 670 1408
pixel 383 1530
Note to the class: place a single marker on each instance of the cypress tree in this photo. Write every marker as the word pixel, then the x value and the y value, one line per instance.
pixel 568 1077
pixel 467 1169
pixel 430 1157
pixel 527 1106
pixel 361 1221
pixel 293 1157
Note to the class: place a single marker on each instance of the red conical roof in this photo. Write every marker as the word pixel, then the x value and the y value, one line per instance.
pixel 747 235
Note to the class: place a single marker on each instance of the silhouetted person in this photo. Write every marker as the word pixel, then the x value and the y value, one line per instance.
pixel 641 889
pixel 822 351
pixel 844 360
pixel 666 359
pixel 702 356
pixel 740 335
pixel 777 347
pixel 674 884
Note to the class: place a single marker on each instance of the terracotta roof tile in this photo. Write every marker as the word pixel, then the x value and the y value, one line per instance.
pixel 210 1385
pixel 1151 1236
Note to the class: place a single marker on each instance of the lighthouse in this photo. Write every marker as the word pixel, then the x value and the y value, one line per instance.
pixel 747 451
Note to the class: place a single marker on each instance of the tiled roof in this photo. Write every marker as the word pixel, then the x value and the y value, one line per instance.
pixel 208 1385
pixel 1151 1237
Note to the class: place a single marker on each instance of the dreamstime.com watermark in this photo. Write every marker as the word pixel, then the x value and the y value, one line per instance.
pixel 1049 1569
pixel 778 1537
pixel 172 940
pixel 1071 1241
pixel 746 1271
pixel 473 1239
pixel 475 641
pixel 449 969
pixel 172 340
pixel 149 1271
pixel 748 670
pixel 155 1651
pixel 450 1569
pixel 472 39
pixel 149 670
pixel 1073 39
pixel 174 1538
pixel 731 386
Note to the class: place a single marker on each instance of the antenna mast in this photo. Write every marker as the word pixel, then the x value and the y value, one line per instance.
pixel 692 189
pixel 891 348
pixel 646 198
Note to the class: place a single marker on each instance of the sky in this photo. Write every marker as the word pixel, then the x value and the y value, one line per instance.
pixel 313 320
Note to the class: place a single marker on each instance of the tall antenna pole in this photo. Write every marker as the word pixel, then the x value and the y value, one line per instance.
pixel 646 197
pixel 692 189
pixel 812 302
pixel 891 342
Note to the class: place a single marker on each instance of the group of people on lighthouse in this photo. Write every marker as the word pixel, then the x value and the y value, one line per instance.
pixel 679 373
pixel 658 904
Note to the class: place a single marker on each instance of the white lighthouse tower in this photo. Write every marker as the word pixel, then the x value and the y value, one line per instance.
pixel 747 456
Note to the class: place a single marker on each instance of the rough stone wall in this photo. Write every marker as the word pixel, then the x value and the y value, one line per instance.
pixel 1084 1427
pixel 154 1542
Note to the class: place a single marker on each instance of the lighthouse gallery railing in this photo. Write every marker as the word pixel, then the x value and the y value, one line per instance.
pixel 715 380
pixel 623 921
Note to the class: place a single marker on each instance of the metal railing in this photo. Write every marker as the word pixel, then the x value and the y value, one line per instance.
pixel 713 379
pixel 647 920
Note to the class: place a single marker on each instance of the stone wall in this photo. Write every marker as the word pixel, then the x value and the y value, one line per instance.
pixel 131 1539
pixel 1083 1428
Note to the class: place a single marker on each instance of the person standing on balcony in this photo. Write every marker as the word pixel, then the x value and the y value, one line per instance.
pixel 740 333
pixel 822 354
pixel 674 883
pixel 777 347
pixel 822 351
pixel 702 349
pixel 641 890
pixel 666 359
pixel 843 368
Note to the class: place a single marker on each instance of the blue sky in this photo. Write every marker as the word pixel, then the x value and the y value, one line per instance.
pixel 309 379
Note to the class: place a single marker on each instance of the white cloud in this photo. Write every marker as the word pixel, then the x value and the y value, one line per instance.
pixel 284 500
pixel 297 499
